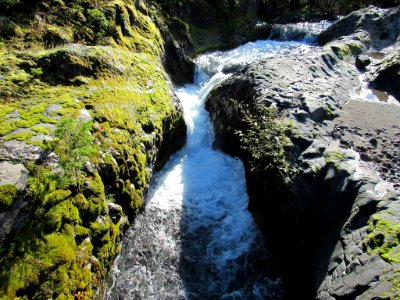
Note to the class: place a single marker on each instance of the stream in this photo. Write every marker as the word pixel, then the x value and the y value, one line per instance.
pixel 196 238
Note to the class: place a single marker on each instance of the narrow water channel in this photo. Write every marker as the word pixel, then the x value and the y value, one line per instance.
pixel 196 238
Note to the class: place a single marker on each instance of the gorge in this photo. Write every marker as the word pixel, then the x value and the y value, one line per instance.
pixel 196 238
pixel 316 127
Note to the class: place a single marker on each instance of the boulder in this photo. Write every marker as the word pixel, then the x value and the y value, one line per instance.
pixel 381 25
pixel 386 75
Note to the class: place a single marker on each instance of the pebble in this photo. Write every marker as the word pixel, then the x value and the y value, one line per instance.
pixel 373 142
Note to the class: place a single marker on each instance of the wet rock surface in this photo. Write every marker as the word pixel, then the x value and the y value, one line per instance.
pixel 342 204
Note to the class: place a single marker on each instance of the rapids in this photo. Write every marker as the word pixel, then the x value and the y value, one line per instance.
pixel 196 238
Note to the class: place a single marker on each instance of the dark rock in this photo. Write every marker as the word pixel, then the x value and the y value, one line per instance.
pixel 386 75
pixel 329 204
pixel 362 61
pixel 115 212
pixel 9 29
pixel 177 45
pixel 174 136
pixel 365 157
pixel 381 25
pixel 232 68
pixel 374 142
pixel 178 64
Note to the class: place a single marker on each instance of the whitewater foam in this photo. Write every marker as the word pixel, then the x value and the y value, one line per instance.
pixel 196 239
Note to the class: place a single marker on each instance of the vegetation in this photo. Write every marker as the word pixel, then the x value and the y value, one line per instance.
pixel 383 239
pixel 64 241
pixel 333 158
pixel 8 195
pixel 265 140
pixel 73 146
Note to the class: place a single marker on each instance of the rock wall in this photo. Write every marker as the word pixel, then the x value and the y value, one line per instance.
pixel 327 214
pixel 95 67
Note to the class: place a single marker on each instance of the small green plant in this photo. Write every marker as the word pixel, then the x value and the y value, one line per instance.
pixel 110 198
pixel 98 22
pixel 73 145
pixel 264 140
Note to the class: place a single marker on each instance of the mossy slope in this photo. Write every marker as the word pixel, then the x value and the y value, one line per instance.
pixel 66 234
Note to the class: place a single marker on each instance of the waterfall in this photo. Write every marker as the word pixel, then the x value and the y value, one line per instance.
pixel 196 238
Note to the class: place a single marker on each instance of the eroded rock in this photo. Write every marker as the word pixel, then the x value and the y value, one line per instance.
pixel 336 206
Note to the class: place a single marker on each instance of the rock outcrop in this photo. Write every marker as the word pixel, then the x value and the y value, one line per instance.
pixel 83 125
pixel 282 117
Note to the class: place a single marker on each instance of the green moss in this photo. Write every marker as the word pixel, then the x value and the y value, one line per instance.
pixel 42 182
pixel 49 120
pixel 36 71
pixel 393 293
pixel 384 238
pixel 345 51
pixel 54 252
pixel 99 228
pixel 23 136
pixel 82 231
pixel 123 86
pixel 8 195
pixel 41 129
pixel 264 141
pixel 95 185
pixel 56 197
pixel 333 158
pixel 7 127
pixel 61 214
pixel 6 109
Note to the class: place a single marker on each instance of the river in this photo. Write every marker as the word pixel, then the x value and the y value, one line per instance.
pixel 196 238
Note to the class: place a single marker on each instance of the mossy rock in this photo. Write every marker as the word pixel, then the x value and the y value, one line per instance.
pixel 122 87
pixel 383 238
pixel 8 28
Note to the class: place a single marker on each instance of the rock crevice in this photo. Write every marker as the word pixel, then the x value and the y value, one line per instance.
pixel 339 212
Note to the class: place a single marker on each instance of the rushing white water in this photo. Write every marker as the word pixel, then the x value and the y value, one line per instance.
pixel 196 239
pixel 307 31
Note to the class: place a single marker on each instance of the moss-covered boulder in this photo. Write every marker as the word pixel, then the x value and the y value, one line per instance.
pixel 89 120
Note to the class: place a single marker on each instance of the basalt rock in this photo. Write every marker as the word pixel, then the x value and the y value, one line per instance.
pixel 381 25
pixel 342 241
pixel 207 24
pixel 54 225
pixel 385 75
